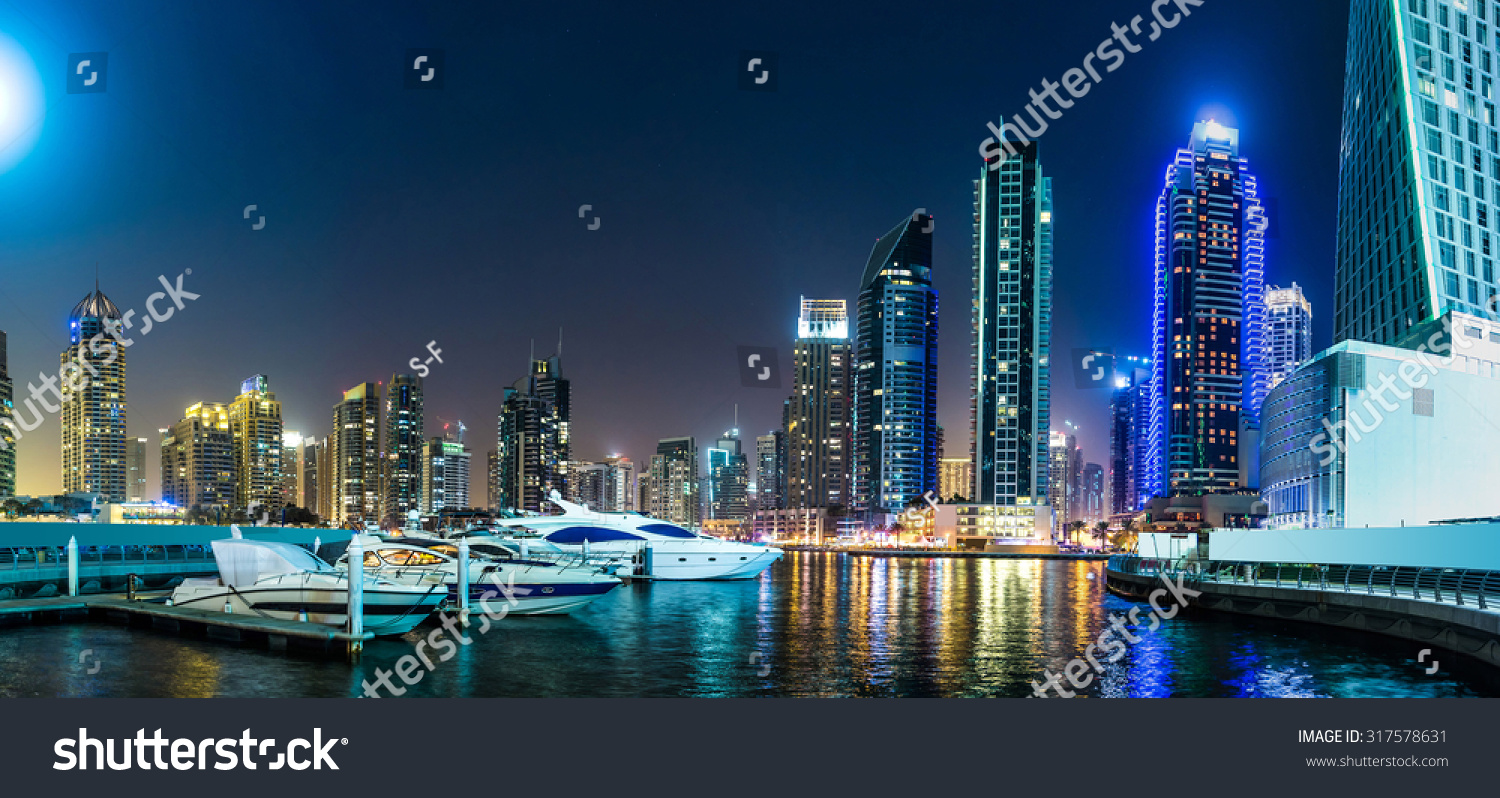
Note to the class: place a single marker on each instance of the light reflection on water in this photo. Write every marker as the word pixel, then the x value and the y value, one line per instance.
pixel 817 624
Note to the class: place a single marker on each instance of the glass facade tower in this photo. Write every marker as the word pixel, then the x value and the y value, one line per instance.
pixel 895 372
pixel 1011 373
pixel 1419 165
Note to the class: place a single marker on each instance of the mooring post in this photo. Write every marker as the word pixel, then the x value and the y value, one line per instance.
pixel 73 566
pixel 356 623
pixel 463 581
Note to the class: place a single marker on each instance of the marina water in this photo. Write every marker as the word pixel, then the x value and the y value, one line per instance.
pixel 815 624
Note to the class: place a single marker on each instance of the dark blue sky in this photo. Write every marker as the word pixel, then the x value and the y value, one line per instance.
pixel 395 217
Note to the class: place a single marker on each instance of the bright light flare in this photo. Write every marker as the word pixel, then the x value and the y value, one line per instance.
pixel 21 103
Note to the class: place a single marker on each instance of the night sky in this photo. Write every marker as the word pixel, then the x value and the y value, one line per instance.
pixel 395 217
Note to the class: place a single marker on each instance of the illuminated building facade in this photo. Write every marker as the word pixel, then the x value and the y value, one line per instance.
pixel 670 488
pixel 255 425
pixel 403 447
pixel 981 526
pixel 1419 159
pixel 770 470
pixel 354 481
pixel 1129 416
pixel 817 432
pixel 955 477
pixel 1010 411
pixel 1061 455
pixel 197 459
pixel 135 470
pixel 1288 332
pixel 728 480
pixel 291 469
pixel 311 459
pixel 895 372
pixel 1388 435
pixel 1208 376
pixel 533 448
pixel 445 476
pixel 608 486
pixel 93 416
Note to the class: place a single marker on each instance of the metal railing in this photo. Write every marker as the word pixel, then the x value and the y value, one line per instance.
pixel 13 558
pixel 1463 587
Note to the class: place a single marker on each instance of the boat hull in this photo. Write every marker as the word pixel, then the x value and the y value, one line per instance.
pixel 385 612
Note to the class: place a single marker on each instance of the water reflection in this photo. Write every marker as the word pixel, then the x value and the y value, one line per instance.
pixel 817 624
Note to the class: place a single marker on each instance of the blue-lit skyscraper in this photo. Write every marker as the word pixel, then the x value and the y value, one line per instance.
pixel 1418 158
pixel 895 371
pixel 1129 415
pixel 1012 322
pixel 1208 377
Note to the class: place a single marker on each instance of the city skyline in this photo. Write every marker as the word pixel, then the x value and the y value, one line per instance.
pixel 628 398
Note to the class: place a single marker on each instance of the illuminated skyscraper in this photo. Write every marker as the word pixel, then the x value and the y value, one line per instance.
pixel 728 478
pixel 255 424
pixel 607 486
pixel 533 448
pixel 354 485
pixel 445 475
pixel 817 434
pixel 1011 382
pixel 135 470
pixel 670 487
pixel 770 470
pixel 312 459
pixel 197 459
pixel 7 430
pixel 403 447
pixel 1418 158
pixel 1060 448
pixel 1129 414
pixel 93 417
pixel 1208 376
pixel 291 469
pixel 1288 332
pixel 895 372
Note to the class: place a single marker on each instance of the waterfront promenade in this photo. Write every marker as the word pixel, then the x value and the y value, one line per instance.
pixel 1456 609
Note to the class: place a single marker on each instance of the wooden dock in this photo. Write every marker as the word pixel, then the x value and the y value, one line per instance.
pixel 231 627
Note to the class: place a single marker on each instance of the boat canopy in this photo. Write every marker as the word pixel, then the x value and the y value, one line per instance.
pixel 243 562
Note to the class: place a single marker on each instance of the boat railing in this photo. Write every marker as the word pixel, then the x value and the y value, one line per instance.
pixel 1462 587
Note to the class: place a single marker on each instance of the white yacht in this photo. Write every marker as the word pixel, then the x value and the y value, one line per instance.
pixel 279 580
pixel 637 545
pixel 536 587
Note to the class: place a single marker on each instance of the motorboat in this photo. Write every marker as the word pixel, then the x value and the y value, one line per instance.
pixel 637 545
pixel 279 580
pixel 523 586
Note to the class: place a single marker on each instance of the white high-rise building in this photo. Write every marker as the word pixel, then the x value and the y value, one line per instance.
pixel 1288 331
